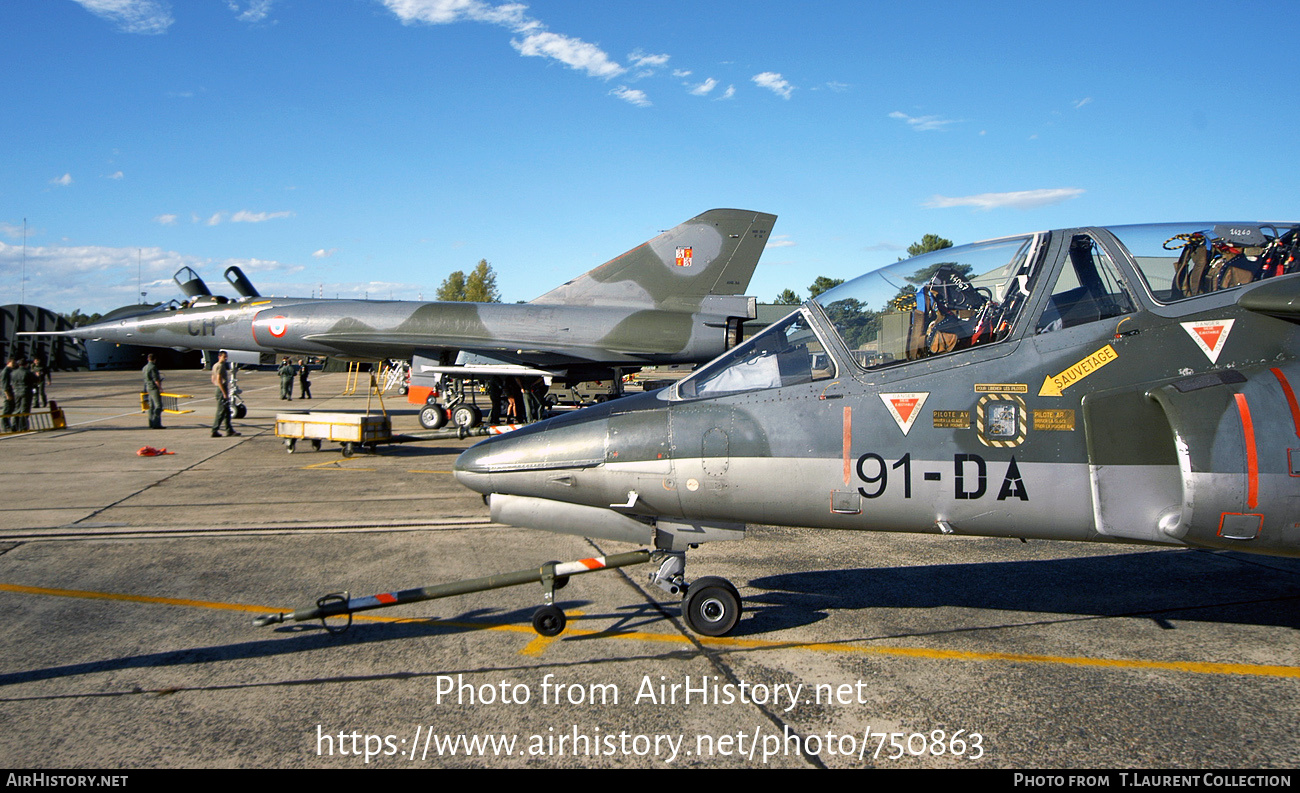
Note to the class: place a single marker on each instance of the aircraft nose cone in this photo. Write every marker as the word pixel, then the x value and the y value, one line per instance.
pixel 512 463
pixel 472 469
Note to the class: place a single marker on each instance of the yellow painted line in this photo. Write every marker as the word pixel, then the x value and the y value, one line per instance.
pixel 81 593
pixel 430 472
pixel 1197 667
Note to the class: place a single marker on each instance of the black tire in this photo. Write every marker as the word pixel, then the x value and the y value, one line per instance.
pixel 549 621
pixel 712 606
pixel 401 390
pixel 291 443
pixel 347 450
pixel 241 411
pixel 467 416
pixel 315 444
pixel 432 417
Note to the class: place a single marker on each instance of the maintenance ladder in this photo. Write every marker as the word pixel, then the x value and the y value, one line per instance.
pixel 36 421
pixel 171 403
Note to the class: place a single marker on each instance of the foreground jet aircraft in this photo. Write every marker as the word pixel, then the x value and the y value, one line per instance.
pixel 675 299
pixel 1127 384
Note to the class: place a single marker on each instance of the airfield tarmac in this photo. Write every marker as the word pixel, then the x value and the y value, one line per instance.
pixel 129 586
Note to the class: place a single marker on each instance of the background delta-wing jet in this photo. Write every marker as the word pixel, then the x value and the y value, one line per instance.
pixel 675 299
pixel 1127 384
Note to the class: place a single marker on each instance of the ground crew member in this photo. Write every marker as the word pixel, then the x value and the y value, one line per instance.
pixel 6 382
pixel 304 387
pixel 40 376
pixel 153 388
pixel 221 379
pixel 286 379
pixel 22 385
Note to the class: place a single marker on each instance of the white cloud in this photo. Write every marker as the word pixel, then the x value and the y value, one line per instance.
pixel 150 17
pixel 639 58
pixel 12 231
pixel 647 64
pixel 705 87
pixel 244 216
pixel 1081 102
pixel 574 53
pixel 1021 199
pixel 114 175
pixel 838 87
pixel 632 96
pixel 257 10
pixel 730 92
pixel 537 41
pixel 216 218
pixel 922 123
pixel 681 72
pixel 446 12
pixel 773 82
pixel 99 278
pixel 62 181
pixel 781 241
pixel 324 254
pixel 166 220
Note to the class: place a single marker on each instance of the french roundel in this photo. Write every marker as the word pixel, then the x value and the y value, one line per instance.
pixel 277 325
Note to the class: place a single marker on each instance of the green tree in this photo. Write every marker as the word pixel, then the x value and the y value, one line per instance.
pixel 481 285
pixel 930 242
pixel 78 319
pixel 452 288
pixel 822 284
pixel 788 298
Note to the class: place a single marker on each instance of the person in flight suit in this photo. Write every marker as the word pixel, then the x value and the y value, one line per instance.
pixel 153 389
pixel 22 382
pixel 286 373
pixel 304 387
pixel 6 383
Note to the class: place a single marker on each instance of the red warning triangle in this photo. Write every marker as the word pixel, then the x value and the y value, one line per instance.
pixel 1210 335
pixel 904 408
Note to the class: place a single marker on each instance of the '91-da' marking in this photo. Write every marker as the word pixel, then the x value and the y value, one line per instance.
pixel 969 477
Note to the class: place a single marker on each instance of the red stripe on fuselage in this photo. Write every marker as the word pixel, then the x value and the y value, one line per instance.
pixel 1252 462
pixel 1290 398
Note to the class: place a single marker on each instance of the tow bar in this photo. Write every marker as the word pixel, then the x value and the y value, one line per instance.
pixel 549 620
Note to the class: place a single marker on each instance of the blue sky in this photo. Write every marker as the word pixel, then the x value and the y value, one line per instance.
pixel 370 147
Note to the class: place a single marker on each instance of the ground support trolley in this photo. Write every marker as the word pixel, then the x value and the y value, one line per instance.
pixel 350 429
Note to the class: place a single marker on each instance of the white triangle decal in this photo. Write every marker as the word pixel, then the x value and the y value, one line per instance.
pixel 1209 335
pixel 905 407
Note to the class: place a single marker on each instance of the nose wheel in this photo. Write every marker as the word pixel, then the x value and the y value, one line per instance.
pixel 711 606
pixel 549 620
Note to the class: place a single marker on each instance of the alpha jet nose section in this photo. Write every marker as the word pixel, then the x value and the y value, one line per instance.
pixel 540 460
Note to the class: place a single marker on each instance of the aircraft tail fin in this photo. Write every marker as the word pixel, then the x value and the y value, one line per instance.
pixel 714 253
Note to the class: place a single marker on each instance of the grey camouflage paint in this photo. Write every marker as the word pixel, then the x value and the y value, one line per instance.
pixel 668 300
pixel 1161 445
